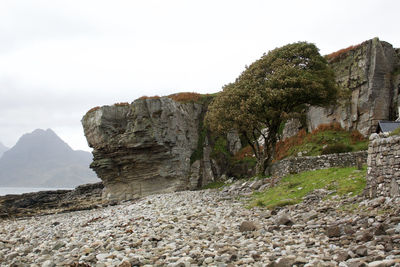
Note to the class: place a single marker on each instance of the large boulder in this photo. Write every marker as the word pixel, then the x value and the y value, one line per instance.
pixel 144 147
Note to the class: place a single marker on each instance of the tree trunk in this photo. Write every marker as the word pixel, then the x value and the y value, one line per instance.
pixel 260 167
pixel 264 160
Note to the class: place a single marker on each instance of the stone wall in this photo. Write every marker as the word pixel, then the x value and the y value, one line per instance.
pixel 383 176
pixel 301 164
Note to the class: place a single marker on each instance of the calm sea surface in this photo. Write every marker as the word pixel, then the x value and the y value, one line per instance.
pixel 20 190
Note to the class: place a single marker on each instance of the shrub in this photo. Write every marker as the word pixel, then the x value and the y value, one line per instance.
pixel 93 109
pixel 283 146
pixel 356 136
pixel 334 126
pixel 245 152
pixel 185 97
pixel 121 104
pixel 335 56
pixel 149 97
pixel 336 148
pixel 395 132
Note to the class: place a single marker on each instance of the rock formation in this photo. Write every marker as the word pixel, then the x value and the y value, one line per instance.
pixel 157 145
pixel 83 197
pixel 144 147
pixel 370 73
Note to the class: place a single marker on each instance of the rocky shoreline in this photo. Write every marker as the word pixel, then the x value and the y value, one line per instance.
pixel 209 228
pixel 83 197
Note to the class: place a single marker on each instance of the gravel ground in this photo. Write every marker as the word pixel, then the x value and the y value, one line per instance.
pixel 207 228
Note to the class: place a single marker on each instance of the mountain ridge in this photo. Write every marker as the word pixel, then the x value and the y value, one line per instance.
pixel 42 159
pixel 3 149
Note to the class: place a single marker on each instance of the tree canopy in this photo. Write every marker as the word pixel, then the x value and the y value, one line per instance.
pixel 271 90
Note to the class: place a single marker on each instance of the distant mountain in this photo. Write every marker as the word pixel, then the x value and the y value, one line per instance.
pixel 3 149
pixel 42 159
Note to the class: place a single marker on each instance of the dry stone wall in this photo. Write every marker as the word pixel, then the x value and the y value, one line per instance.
pixel 301 164
pixel 383 176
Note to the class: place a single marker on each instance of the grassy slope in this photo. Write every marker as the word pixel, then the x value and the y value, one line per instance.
pixel 293 188
pixel 312 144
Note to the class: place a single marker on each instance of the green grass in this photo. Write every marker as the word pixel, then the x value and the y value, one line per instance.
pixel 395 132
pixel 214 185
pixel 313 143
pixel 293 188
pixel 316 142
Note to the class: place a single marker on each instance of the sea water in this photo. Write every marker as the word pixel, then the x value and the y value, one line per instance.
pixel 21 190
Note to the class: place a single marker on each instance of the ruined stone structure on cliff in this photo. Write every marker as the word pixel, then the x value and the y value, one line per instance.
pixel 383 176
pixel 146 147
pixel 370 73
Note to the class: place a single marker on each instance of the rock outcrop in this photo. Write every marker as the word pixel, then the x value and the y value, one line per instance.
pixel 369 72
pixel 145 147
pixel 83 197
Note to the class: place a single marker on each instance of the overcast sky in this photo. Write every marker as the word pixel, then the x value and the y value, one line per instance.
pixel 60 58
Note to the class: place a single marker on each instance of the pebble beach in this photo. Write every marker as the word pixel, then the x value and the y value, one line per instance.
pixel 206 228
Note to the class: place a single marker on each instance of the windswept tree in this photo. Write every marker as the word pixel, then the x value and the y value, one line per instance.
pixel 271 90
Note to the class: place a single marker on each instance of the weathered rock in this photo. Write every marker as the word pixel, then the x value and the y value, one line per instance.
pixel 82 197
pixel 367 72
pixel 361 251
pixel 247 226
pixel 284 219
pixel 291 128
pixel 144 147
pixel 383 263
pixel 333 231
pixel 234 143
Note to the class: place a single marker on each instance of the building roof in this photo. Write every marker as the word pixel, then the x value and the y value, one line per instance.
pixel 388 126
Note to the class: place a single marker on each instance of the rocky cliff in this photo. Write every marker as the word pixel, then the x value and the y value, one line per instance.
pixel 146 147
pixel 369 74
pixel 157 145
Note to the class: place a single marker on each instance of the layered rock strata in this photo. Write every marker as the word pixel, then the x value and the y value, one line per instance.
pixel 83 197
pixel 370 73
pixel 144 147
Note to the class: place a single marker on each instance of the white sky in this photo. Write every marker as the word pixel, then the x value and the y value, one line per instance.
pixel 60 58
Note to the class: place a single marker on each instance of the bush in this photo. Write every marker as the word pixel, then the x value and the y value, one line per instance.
pixel 93 109
pixel 283 146
pixel 245 152
pixel 336 148
pixel 122 104
pixel 335 56
pixel 334 126
pixel 356 136
pixel 149 97
pixel 395 132
pixel 185 97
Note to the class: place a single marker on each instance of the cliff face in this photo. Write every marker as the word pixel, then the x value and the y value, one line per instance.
pixel 144 147
pixel 160 145
pixel 369 73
